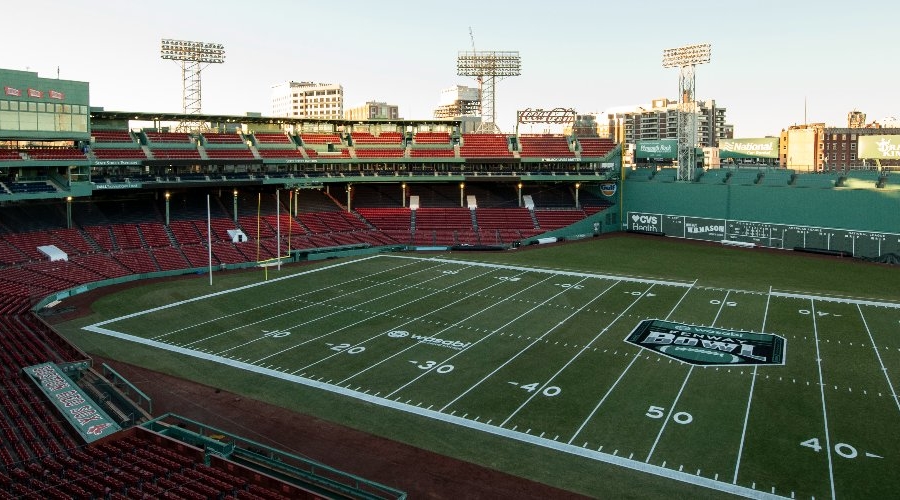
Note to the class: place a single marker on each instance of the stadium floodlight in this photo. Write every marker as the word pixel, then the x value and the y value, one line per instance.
pixel 488 67
pixel 686 58
pixel 192 57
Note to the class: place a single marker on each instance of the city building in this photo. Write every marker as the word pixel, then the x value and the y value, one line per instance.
pixel 660 121
pixel 308 100
pixel 373 111
pixel 460 103
pixel 817 148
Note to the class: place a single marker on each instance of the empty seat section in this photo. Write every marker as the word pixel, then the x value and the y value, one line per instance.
pixel 544 146
pixel 215 138
pixel 119 154
pixel 55 154
pixel 595 147
pixel 310 138
pixel 431 138
pixel 101 136
pixel 175 154
pixel 549 220
pixel 168 137
pixel 230 153
pixel 272 138
pixel 484 146
pixel 383 138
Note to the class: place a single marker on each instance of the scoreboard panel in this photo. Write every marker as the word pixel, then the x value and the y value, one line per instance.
pixel 785 236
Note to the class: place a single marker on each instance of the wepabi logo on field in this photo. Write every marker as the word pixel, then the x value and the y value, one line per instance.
pixel 704 345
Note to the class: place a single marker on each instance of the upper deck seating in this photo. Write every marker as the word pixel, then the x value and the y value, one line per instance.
pixel 595 147
pixel 485 146
pixel 545 146
pixel 168 137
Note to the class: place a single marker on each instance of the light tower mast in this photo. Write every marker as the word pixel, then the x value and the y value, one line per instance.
pixel 488 67
pixel 686 58
pixel 192 57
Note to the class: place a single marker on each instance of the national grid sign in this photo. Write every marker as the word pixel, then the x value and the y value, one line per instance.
pixel 704 345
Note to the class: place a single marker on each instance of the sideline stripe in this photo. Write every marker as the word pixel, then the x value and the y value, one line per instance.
pixel 822 391
pixel 737 465
pixel 550 271
pixel 462 422
pixel 875 348
pixel 840 300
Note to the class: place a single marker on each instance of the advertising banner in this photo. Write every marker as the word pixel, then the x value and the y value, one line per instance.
pixel 662 149
pixel 881 147
pixel 764 147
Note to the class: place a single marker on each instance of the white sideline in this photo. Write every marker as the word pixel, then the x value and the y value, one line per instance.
pixel 462 422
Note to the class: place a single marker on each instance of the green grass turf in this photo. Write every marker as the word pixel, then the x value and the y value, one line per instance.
pixel 785 411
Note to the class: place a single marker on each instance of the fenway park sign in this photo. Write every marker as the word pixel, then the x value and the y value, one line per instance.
pixel 704 345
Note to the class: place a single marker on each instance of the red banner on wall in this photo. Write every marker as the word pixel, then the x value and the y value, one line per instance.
pixel 35 93
pixel 54 94
pixel 13 92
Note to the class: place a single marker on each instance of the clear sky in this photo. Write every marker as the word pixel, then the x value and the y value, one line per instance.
pixel 768 57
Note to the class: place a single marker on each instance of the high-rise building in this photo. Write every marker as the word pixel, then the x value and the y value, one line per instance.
pixel 660 121
pixel 373 111
pixel 460 103
pixel 308 100
pixel 856 119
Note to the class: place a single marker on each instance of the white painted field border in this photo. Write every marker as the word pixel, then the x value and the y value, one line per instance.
pixel 839 300
pixel 450 304
pixel 581 351
pixel 223 292
pixel 462 422
pixel 812 304
pixel 576 274
pixel 308 306
pixel 737 464
pixel 877 354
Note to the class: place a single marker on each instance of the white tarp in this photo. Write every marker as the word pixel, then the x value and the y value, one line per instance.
pixel 237 236
pixel 414 202
pixel 53 252
pixel 470 201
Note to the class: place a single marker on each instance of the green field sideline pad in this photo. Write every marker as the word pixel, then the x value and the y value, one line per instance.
pixel 704 345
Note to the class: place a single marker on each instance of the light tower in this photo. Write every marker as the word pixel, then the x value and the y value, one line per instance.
pixel 686 58
pixel 193 57
pixel 488 67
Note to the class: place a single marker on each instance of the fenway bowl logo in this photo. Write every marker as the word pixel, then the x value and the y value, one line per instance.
pixel 608 189
pixel 704 345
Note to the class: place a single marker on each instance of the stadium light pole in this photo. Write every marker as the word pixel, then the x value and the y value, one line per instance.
pixel 234 206
pixel 167 208
pixel 577 187
pixel 520 194
pixel 686 58
pixel 193 57
pixel 68 212
pixel 488 67
pixel 403 194
pixel 349 190
pixel 462 193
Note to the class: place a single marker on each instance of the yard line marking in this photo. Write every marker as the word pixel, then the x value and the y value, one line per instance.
pixel 572 360
pixel 840 300
pixel 883 368
pixel 535 341
pixel 750 396
pixel 215 294
pixel 668 417
pixel 608 392
pixel 557 272
pixel 364 319
pixel 622 375
pixel 439 331
pixel 822 391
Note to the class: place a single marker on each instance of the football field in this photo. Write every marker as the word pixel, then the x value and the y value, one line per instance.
pixel 759 394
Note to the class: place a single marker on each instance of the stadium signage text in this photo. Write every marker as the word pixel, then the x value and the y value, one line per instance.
pixel 766 147
pixel 78 408
pixel 608 188
pixel 657 149
pixel 702 345
pixel 457 345
pixel 879 146
pixel 12 91
pixel 645 222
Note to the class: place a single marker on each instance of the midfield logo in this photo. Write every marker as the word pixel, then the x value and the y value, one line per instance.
pixel 701 345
